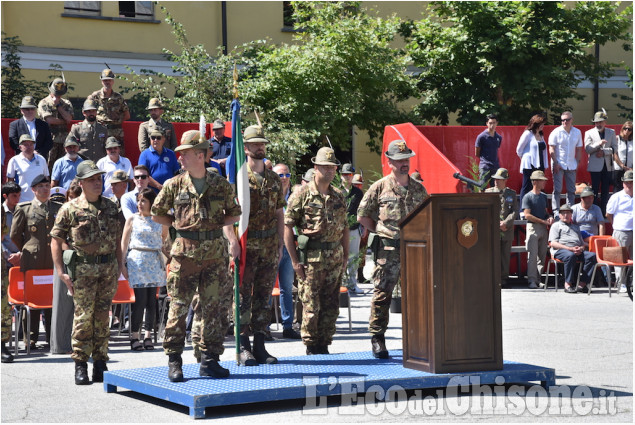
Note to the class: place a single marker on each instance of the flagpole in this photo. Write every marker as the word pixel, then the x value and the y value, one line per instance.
pixel 236 262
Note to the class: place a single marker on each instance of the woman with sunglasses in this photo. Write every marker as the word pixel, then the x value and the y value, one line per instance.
pixel 623 156
pixel 532 151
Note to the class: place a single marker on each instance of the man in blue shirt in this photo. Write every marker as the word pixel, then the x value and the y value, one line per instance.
pixel 129 199
pixel 486 150
pixel 65 168
pixel 221 145
pixel 160 161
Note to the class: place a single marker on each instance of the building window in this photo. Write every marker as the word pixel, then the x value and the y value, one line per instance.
pixel 136 10
pixel 89 8
pixel 287 14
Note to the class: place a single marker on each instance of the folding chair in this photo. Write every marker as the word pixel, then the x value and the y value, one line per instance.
pixel 124 295
pixel 553 260
pixel 38 295
pixel 15 294
pixel 600 244
pixel 344 290
pixel 275 294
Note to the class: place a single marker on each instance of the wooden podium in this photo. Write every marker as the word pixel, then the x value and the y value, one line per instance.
pixel 450 277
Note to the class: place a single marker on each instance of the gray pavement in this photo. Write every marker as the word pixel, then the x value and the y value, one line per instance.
pixel 587 339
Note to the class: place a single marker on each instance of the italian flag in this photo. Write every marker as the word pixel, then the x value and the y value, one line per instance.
pixel 237 172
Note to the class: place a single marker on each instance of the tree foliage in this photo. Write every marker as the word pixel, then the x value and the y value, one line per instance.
pixel 513 58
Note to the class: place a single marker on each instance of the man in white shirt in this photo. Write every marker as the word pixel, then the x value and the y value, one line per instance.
pixel 565 150
pixel 26 166
pixel 129 200
pixel 113 162
pixel 619 211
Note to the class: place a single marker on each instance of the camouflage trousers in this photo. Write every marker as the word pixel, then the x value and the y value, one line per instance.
pixel 385 277
pixel 261 268
pixel 320 296
pixel 95 288
pixel 118 134
pixel 209 279
pixel 57 151
pixel 6 309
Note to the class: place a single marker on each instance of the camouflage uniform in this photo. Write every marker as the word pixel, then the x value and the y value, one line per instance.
pixel 323 219
pixel 46 108
pixel 6 309
pixel 94 233
pixel 198 265
pixel 387 202
pixel 509 209
pixel 110 114
pixel 92 139
pixel 261 265
pixel 146 128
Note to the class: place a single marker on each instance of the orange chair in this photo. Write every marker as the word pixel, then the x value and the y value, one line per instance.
pixel 15 294
pixel 275 294
pixel 124 295
pixel 593 238
pixel 600 244
pixel 553 260
pixel 38 294
pixel 344 290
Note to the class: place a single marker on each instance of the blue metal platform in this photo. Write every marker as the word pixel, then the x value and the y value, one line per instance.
pixel 302 376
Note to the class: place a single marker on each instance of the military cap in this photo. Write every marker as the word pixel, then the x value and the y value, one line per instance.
pixel 89 104
pixel 192 139
pixel 154 103
pixel 87 169
pixel 347 169
pixel 357 179
pixel 566 207
pixel 538 175
pixel 397 149
pixel 416 176
pixel 107 74
pixel 28 102
pixel 118 177
pixel 308 176
pixel 325 156
pixel 628 176
pixel 587 191
pixel 218 124
pixel 600 116
pixel 40 178
pixel 254 134
pixel 71 141
pixel 501 174
pixel 157 131
pixel 58 191
pixel 26 138
pixel 112 142
pixel 58 87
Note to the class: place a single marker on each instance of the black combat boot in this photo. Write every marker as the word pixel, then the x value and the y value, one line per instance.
pixel 99 367
pixel 379 346
pixel 323 349
pixel 81 373
pixel 175 371
pixel 210 366
pixel 260 353
pixel 246 356
pixel 7 357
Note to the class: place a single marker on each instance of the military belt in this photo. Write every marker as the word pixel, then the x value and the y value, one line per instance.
pixel 95 259
pixel 261 234
pixel 200 236
pixel 395 243
pixel 317 245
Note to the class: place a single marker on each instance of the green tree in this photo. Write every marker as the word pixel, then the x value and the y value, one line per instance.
pixel 627 110
pixel 513 58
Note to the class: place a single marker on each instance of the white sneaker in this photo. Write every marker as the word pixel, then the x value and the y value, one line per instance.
pixel 356 290
pixel 533 285
pixel 622 288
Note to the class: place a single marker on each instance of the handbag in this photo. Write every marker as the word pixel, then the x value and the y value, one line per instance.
pixel 615 254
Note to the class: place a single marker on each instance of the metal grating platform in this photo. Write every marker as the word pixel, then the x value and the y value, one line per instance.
pixel 297 377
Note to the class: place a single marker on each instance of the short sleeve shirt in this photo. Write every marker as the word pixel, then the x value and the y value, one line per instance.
pixel 489 149
pixel 24 171
pixel 537 204
pixel 566 234
pixel 163 166
pixel 65 170
pixel 588 220
pixel 620 206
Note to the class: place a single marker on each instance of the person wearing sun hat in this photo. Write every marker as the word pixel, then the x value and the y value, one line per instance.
pixel 587 215
pixel 385 203
pixel 600 143
pixel 155 108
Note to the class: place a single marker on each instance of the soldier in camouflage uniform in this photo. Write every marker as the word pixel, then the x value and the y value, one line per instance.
pixel 203 204
pixel 90 134
pixel 89 225
pixel 7 357
pixel 58 113
pixel 509 209
pixel 156 110
pixel 264 246
pixel 318 209
pixel 113 109
pixel 386 202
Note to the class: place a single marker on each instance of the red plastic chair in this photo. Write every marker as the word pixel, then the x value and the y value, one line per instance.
pixel 124 295
pixel 38 294
pixel 593 238
pixel 600 244
pixel 15 294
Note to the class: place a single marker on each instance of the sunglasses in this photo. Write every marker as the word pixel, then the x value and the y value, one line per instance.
pixel 143 177
pixel 565 119
pixel 155 137
pixel 628 129
pixel 284 175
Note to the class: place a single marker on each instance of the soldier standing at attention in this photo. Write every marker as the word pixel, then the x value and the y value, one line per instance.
pixel 90 134
pixel 58 113
pixel 264 248
pixel 318 209
pixel 386 202
pixel 203 204
pixel 113 109
pixel 509 209
pixel 155 107
pixel 89 224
